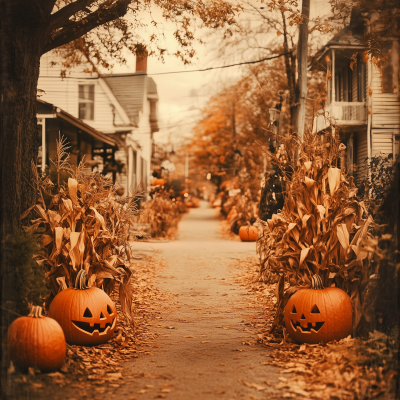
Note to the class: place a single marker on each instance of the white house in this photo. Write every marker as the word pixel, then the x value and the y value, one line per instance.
pixel 363 97
pixel 121 106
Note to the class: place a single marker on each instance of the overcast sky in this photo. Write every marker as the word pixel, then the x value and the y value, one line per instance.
pixel 181 96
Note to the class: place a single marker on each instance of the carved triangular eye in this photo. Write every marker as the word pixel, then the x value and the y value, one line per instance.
pixel 302 316
pixel 315 310
pixel 87 314
pixel 294 311
pixel 110 312
pixel 102 316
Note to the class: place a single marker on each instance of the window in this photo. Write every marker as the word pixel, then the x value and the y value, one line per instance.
pixel 361 80
pixel 396 150
pixel 86 102
pixel 338 92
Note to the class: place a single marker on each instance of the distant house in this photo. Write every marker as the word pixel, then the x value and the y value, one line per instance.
pixel 363 100
pixel 123 107
pixel 83 139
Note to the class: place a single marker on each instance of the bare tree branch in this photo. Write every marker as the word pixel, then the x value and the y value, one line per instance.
pixel 58 19
pixel 77 29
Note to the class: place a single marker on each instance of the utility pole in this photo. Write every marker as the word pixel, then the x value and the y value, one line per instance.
pixel 301 87
pixel 187 171
pixel 233 126
pixel 234 135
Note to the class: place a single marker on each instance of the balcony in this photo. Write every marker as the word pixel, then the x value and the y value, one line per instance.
pixel 341 113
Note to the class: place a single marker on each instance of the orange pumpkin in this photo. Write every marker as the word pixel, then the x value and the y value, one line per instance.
pixel 87 315
pixel 318 314
pixel 248 233
pixel 36 341
pixel 157 182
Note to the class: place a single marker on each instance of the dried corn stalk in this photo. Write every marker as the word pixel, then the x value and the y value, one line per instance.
pixel 162 214
pixel 83 226
pixel 323 229
pixel 245 211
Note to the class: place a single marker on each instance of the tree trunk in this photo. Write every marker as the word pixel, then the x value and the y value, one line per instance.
pixel 301 87
pixel 289 66
pixel 21 41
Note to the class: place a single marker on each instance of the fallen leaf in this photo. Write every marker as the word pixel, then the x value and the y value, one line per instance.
pixel 253 385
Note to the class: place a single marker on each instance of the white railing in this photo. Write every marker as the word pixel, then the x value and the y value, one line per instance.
pixel 349 113
pixel 341 113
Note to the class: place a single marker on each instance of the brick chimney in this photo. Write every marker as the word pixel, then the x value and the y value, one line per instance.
pixel 141 62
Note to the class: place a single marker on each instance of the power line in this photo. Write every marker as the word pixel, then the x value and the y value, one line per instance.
pixel 178 72
pixel 220 67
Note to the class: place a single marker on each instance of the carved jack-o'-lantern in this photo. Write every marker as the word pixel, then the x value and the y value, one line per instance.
pixel 318 314
pixel 87 315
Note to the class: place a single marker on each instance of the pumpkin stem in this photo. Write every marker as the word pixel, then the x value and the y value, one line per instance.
pixel 80 282
pixel 316 282
pixel 36 312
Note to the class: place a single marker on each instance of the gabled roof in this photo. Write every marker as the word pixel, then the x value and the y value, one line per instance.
pixel 44 108
pixel 130 90
pixel 345 39
pixel 152 88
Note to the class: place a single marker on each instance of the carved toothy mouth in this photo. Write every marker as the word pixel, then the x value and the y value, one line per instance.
pixel 87 328
pixel 316 328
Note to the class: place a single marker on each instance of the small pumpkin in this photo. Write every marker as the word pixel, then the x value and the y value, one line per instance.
pixel 157 182
pixel 36 341
pixel 248 233
pixel 87 315
pixel 318 314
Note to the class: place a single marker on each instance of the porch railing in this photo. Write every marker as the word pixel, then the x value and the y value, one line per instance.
pixel 341 113
pixel 349 112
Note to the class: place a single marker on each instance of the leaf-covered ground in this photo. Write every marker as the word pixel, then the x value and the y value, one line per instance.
pixel 99 369
pixel 201 331
pixel 349 369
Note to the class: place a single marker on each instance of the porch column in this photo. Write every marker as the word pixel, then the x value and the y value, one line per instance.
pixel 130 170
pixel 43 145
pixel 333 82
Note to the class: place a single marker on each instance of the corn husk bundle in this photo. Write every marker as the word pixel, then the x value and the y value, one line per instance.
pixel 323 229
pixel 319 231
pixel 245 212
pixel 163 216
pixel 83 226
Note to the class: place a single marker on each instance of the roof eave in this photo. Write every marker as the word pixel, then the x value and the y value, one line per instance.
pixel 85 127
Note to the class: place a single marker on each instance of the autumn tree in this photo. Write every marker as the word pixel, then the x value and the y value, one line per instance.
pixel 99 31
pixel 224 141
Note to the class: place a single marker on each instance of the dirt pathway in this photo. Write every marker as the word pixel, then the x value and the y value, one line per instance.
pixel 203 350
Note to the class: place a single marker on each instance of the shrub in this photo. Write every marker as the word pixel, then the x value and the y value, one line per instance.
pixel 29 277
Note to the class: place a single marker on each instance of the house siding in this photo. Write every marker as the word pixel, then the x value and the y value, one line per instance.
pixel 121 106
pixel 385 116
pixel 361 171
pixel 64 94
